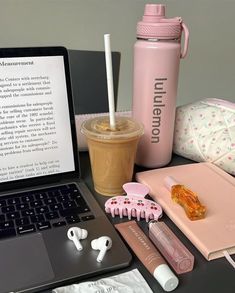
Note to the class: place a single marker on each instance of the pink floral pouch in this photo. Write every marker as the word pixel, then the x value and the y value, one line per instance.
pixel 205 131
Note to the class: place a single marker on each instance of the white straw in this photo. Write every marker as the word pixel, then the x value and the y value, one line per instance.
pixel 109 75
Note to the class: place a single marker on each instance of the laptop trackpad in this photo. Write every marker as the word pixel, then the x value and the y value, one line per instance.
pixel 24 263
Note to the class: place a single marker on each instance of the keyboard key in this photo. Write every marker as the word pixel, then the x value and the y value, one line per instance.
pixel 22 221
pixel 2 218
pixel 55 207
pixel 53 193
pixel 81 203
pixel 74 192
pixel 59 224
pixel 84 209
pixel 6 225
pixel 69 212
pixel 26 229
pixel 49 201
pixel 79 200
pixel 13 201
pixel 42 210
pixel 72 219
pixel 69 204
pixel 13 215
pixel 27 213
pixel 87 218
pixel 66 192
pixel 76 196
pixel 37 218
pixel 41 195
pixel 36 203
pixel 7 233
pixel 27 198
pixel 8 209
pixel 22 206
pixel 2 203
pixel 52 215
pixel 43 225
pixel 73 187
pixel 64 188
pixel 63 198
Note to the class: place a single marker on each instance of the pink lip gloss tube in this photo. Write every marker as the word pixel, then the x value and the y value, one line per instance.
pixel 148 254
pixel 171 247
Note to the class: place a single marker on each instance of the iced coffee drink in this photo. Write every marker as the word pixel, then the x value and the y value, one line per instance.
pixel 112 152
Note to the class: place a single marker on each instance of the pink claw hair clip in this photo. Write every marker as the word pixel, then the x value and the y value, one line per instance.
pixel 133 204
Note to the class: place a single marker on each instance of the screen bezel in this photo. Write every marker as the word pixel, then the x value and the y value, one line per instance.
pixel 40 52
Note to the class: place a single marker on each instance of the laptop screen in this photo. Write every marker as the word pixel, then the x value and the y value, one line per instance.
pixel 35 114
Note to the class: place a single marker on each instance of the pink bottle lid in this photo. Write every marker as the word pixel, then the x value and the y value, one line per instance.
pixel 155 25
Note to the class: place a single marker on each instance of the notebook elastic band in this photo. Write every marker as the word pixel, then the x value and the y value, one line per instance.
pixel 229 259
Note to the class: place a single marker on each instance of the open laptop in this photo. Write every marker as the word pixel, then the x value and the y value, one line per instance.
pixel 42 195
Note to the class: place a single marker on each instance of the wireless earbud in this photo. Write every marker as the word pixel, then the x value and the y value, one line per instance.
pixel 76 234
pixel 103 244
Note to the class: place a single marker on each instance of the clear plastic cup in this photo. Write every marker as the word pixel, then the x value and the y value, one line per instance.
pixel 112 152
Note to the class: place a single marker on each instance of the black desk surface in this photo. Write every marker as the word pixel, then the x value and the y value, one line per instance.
pixel 216 276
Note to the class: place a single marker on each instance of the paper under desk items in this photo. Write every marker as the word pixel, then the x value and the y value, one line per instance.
pixel 216 189
pixel 131 281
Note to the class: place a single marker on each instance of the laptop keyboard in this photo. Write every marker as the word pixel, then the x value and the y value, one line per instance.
pixel 42 209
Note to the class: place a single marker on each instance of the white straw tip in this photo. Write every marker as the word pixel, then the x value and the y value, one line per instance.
pixel 106 36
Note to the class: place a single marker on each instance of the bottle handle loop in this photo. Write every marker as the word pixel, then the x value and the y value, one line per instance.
pixel 186 40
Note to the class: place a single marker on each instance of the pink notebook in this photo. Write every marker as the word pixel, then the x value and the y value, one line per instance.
pixel 215 189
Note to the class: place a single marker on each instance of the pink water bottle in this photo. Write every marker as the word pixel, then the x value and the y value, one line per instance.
pixel 157 54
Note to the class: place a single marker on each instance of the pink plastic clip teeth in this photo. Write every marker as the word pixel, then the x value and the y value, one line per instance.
pixel 134 204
